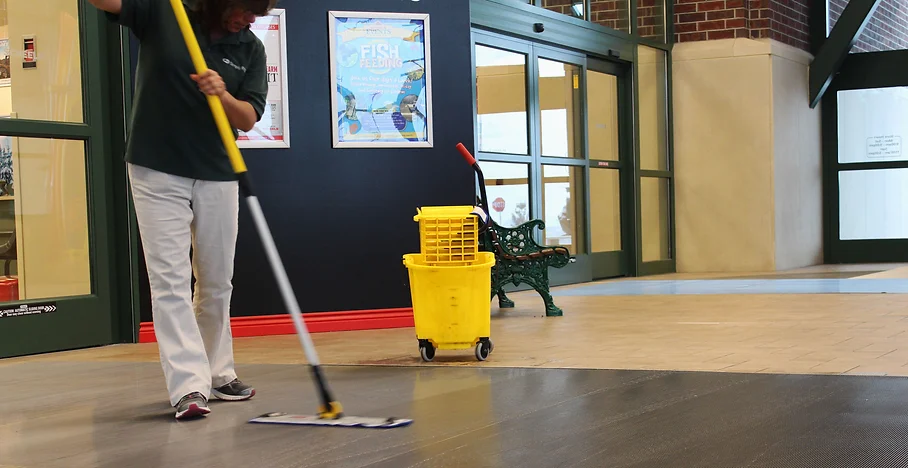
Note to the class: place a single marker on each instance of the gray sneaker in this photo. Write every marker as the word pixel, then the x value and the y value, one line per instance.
pixel 234 391
pixel 191 406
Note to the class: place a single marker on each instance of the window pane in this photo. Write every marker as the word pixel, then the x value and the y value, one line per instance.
pixel 872 204
pixel 611 14
pixel 605 210
pixel 560 106
pixel 573 8
pixel 887 28
pixel 651 19
pixel 43 219
pixel 49 87
pixel 653 109
pixel 834 9
pixel 602 124
pixel 873 125
pixel 508 189
pixel 501 101
pixel 562 206
pixel 654 218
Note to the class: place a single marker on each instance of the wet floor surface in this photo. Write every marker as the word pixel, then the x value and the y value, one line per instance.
pixel 739 286
pixel 116 415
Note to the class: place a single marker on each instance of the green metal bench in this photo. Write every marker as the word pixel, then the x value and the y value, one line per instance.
pixel 519 259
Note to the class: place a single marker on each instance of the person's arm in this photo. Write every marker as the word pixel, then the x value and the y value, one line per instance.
pixel 240 113
pixel 110 6
pixel 137 15
pixel 246 108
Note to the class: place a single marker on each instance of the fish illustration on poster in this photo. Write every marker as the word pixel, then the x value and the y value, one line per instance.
pixel 380 76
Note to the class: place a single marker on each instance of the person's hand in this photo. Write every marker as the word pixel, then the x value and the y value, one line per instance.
pixel 210 83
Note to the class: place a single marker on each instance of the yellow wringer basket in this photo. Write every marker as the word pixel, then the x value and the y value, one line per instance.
pixel 448 235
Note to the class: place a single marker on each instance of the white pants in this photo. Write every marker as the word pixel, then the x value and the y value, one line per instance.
pixel 193 334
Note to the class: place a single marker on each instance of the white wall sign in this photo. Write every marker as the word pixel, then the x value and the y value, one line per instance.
pixel 872 124
pixel 273 130
pixel 884 147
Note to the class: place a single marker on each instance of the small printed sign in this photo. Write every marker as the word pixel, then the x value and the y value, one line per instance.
pixel 889 146
pixel 27 309
pixel 29 54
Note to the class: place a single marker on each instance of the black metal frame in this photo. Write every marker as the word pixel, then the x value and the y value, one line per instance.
pixel 832 52
pixel 855 71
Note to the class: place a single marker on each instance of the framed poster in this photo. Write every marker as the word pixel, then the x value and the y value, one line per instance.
pixel 5 78
pixel 381 91
pixel 273 130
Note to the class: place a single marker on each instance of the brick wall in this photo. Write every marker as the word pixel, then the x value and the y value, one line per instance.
pixel 610 13
pixel 783 20
pixel 559 6
pixel 651 18
pixel 791 22
pixel 614 14
pixel 887 29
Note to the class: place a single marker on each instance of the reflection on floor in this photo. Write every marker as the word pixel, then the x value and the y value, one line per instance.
pixel 754 286
pixel 827 279
pixel 115 415
pixel 783 333
pixel 643 378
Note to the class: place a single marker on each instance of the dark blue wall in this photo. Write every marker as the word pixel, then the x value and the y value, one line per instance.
pixel 342 218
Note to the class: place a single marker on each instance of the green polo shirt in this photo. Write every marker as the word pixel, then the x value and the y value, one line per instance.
pixel 172 129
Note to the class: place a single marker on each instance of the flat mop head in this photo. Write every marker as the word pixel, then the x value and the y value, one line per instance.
pixel 343 421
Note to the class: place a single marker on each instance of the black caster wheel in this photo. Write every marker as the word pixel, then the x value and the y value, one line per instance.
pixel 483 349
pixel 427 352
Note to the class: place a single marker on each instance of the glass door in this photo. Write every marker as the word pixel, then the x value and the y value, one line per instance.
pixel 608 108
pixel 502 95
pixel 554 134
pixel 56 291
pixel 560 157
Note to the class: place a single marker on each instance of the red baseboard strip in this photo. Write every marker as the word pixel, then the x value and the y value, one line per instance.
pixel 321 322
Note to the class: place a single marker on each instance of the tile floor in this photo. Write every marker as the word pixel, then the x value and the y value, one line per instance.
pixel 764 332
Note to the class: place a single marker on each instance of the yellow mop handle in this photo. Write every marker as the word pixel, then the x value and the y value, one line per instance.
pixel 217 108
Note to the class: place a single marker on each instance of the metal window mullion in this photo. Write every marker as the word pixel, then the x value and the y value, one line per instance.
pixel 534 111
pixel 654 174
pixel 633 192
pixel 503 157
pixel 44 129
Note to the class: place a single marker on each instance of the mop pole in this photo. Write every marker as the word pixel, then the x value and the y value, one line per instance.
pixel 330 408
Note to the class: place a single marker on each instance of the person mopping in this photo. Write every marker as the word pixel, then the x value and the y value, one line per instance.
pixel 184 189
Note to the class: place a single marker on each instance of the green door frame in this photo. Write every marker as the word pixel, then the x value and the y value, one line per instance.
pixel 89 320
pixel 512 21
pixel 669 265
pixel 617 263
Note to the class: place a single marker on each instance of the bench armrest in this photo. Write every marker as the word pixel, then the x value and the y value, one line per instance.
pixel 518 243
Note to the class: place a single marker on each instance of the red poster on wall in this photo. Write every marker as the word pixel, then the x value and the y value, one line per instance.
pixel 29 55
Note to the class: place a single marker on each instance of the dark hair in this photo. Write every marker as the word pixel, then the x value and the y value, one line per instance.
pixel 212 12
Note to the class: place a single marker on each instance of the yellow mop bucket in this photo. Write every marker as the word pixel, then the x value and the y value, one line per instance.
pixel 451 304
